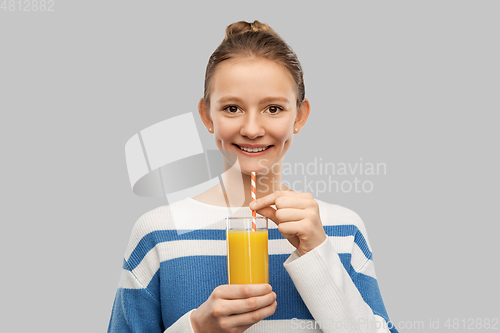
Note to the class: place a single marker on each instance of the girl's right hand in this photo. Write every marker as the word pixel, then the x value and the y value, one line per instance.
pixel 234 308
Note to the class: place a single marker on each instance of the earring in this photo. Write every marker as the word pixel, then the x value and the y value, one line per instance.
pixel 296 130
pixel 210 130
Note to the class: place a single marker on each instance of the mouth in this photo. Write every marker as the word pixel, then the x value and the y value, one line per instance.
pixel 254 149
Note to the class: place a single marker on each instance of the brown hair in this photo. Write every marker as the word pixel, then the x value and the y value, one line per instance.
pixel 255 39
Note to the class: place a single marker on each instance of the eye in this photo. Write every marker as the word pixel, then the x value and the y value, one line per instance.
pixel 231 109
pixel 274 109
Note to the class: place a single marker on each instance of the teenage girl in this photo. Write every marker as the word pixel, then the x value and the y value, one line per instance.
pixel 322 277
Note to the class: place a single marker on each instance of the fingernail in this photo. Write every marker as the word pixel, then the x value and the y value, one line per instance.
pixel 252 204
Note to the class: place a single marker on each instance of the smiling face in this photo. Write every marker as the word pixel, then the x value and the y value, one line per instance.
pixel 253 112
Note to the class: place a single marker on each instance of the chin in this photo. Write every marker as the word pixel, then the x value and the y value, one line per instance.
pixel 248 168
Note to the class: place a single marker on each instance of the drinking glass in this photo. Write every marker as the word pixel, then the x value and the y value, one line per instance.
pixel 247 251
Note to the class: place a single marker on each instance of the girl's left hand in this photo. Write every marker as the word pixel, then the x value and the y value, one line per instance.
pixel 297 217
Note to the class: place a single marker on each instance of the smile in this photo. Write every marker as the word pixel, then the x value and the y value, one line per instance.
pixel 253 149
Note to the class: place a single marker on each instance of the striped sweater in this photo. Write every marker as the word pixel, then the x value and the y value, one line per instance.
pixel 177 256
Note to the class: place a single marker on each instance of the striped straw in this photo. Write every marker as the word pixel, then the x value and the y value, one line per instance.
pixel 254 214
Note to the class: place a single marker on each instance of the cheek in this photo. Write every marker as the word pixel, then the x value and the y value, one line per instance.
pixel 224 130
pixel 284 133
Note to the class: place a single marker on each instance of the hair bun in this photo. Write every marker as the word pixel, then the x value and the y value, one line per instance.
pixel 242 26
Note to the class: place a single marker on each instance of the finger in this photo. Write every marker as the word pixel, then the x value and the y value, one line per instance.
pixel 268 212
pixel 293 202
pixel 238 306
pixel 252 317
pixel 239 291
pixel 265 201
pixel 289 215
pixel 290 228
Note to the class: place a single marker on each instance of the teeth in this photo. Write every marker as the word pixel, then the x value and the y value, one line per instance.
pixel 253 150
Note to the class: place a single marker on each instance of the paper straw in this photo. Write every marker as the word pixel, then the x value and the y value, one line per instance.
pixel 254 214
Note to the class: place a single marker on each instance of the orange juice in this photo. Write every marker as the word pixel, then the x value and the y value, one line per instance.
pixel 247 258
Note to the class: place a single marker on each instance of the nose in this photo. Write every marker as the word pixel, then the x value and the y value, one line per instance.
pixel 252 126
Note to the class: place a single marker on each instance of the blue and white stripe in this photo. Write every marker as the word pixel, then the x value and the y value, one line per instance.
pixel 159 262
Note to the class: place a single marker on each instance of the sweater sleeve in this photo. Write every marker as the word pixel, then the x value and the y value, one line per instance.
pixel 339 301
pixel 137 304
pixel 135 308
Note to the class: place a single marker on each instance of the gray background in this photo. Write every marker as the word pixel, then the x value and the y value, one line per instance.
pixel 412 84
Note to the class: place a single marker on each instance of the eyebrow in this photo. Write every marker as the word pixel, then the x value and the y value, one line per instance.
pixel 226 99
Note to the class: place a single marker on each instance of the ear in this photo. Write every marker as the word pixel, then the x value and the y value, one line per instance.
pixel 302 115
pixel 205 115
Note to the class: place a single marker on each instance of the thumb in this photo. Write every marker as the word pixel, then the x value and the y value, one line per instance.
pixel 268 212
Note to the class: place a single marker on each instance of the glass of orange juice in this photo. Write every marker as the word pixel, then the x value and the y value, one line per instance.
pixel 247 253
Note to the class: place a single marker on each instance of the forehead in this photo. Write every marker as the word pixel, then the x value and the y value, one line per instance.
pixel 249 77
